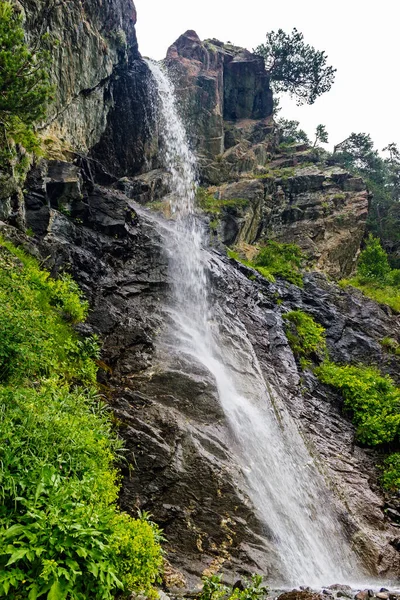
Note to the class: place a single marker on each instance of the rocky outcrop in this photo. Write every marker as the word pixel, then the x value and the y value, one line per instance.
pixel 322 210
pixel 292 196
pixel 217 82
pixel 98 77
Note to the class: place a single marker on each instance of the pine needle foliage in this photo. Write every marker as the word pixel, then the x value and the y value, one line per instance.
pixel 24 85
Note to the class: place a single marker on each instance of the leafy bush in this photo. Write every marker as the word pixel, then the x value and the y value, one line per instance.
pixel 305 336
pixel 373 263
pixel 281 260
pixel 239 257
pixel 374 276
pixel 391 472
pixel 61 535
pixel 251 589
pixel 372 398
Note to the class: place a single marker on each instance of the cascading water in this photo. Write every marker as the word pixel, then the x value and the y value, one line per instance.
pixel 285 488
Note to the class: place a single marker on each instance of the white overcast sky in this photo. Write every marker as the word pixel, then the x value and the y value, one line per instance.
pixel 360 37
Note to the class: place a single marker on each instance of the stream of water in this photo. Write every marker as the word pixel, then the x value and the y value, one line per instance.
pixel 283 484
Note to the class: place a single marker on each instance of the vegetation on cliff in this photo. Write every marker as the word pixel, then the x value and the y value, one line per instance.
pixel 374 277
pixel 61 534
pixel 296 67
pixel 275 260
pixel 24 85
pixel 382 175
pixel 370 398
pixel 306 337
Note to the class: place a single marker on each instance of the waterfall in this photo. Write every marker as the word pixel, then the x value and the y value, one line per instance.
pixel 287 492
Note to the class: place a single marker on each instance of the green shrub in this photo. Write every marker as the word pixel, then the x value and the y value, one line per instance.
pixel 381 293
pixel 306 337
pixel 374 276
pixel 373 263
pixel 262 270
pixel 372 399
pixel 214 589
pixel 281 260
pixel 61 534
pixel 24 85
pixel 391 345
pixel 391 472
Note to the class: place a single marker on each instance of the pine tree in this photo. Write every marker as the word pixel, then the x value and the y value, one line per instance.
pixel 24 84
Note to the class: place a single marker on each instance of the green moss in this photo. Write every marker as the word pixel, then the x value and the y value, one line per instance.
pixel 391 345
pixel 391 472
pixel 61 534
pixel 214 206
pixel 283 173
pixel 305 336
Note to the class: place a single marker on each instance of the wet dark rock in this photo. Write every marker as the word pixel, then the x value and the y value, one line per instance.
pixel 301 595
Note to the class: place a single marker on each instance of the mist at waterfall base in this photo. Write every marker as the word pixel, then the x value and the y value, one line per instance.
pixel 288 494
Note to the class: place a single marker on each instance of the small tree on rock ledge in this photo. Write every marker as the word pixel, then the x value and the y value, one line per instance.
pixel 24 84
pixel 296 67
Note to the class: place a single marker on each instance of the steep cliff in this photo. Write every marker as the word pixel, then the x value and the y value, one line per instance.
pixel 84 214
pixel 290 194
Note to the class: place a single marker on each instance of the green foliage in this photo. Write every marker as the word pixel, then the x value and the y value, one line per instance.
pixel 374 276
pixel 373 263
pixel 61 535
pixel 289 132
pixel 24 85
pixel 213 206
pixel 281 260
pixel 391 472
pixel 283 173
pixel 383 294
pixel 214 589
pixel 275 259
pixel 306 337
pixel 296 67
pixel 372 399
pixel 321 135
pixel 391 345
pixel 382 175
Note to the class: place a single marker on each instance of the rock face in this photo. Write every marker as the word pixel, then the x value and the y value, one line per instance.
pixel 176 434
pixel 217 82
pixel 180 461
pixel 292 196
pixel 96 68
pixel 322 210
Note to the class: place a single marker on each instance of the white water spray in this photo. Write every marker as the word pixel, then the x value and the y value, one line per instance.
pixel 283 484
